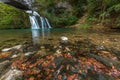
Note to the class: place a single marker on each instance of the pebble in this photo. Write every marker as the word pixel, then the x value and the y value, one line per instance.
pixel 63 38
pixel 58 51
pixel 28 53
pixel 14 56
pixel 42 47
pixel 100 47
pixel 17 47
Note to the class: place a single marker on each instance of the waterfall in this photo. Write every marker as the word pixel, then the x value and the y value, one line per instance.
pixel 34 22
pixel 49 26
pixel 44 23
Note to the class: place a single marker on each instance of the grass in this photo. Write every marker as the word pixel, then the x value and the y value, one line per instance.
pixel 84 25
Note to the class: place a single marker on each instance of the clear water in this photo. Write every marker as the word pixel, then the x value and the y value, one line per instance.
pixel 10 38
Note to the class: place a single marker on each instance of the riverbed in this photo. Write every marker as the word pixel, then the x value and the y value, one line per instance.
pixel 9 38
pixel 59 54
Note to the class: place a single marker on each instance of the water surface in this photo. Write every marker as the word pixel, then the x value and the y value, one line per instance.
pixel 10 38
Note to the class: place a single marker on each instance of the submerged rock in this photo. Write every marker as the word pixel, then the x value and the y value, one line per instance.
pixel 63 39
pixel 4 65
pixel 6 49
pixel 58 51
pixel 100 47
pixel 14 56
pixel 14 47
pixel 28 54
pixel 13 75
pixel 64 77
pixel 17 47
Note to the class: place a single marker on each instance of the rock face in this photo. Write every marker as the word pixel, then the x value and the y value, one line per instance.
pixel 21 4
pixel 12 75
pixel 64 5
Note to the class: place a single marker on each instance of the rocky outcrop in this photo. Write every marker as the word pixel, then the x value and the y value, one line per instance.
pixel 21 4
pixel 66 5
pixel 62 6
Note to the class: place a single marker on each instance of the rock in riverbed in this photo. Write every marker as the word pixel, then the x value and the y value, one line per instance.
pixel 63 39
pixel 14 47
pixel 28 54
pixel 6 49
pixel 13 74
pixel 4 65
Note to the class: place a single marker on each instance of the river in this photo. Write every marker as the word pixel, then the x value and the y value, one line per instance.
pixel 13 37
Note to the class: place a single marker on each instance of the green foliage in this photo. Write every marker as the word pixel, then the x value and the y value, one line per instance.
pixel 117 22
pixel 60 17
pixel 115 8
pixel 61 20
pixel 85 25
pixel 102 10
pixel 99 11
pixel 11 17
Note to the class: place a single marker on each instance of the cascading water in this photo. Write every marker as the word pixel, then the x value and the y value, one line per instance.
pixel 44 23
pixel 38 22
pixel 34 22
pixel 49 26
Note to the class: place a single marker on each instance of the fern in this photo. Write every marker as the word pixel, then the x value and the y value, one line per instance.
pixel 115 8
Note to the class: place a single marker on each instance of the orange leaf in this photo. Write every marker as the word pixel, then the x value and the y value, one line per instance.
pixel 31 78
pixel 71 77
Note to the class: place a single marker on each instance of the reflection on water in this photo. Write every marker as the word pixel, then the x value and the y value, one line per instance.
pixel 35 35
pixel 39 36
pixel 9 38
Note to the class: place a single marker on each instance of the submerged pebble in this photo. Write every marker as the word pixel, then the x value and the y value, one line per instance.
pixel 17 47
pixel 64 39
pixel 6 49
pixel 28 53
pixel 14 47
pixel 14 56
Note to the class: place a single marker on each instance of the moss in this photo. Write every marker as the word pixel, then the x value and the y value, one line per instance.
pixel 11 17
